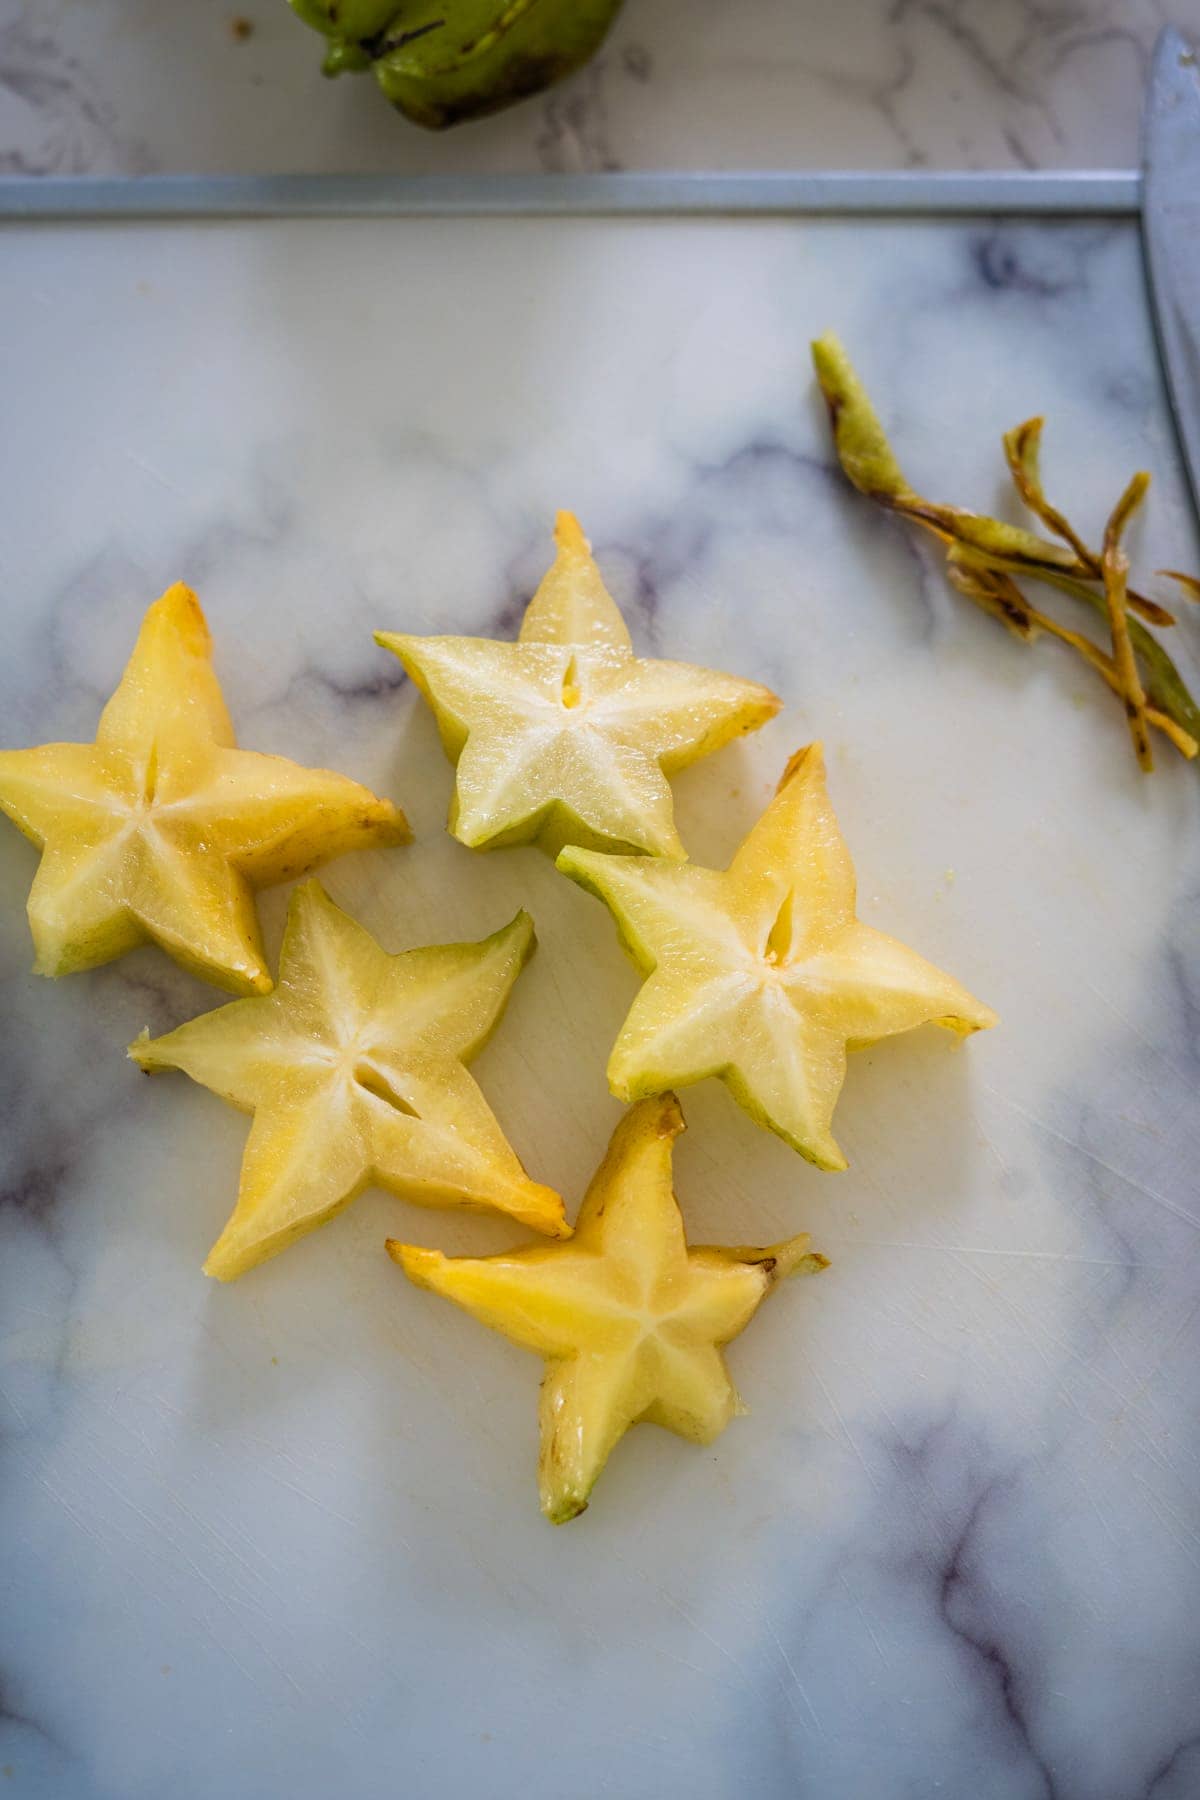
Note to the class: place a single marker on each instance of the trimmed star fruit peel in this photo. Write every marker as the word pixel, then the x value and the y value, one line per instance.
pixel 354 1070
pixel 443 61
pixel 986 557
pixel 162 829
pixel 567 737
pixel 761 974
pixel 629 1319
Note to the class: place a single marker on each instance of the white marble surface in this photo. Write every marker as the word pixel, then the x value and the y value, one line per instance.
pixel 281 1539
pixel 125 86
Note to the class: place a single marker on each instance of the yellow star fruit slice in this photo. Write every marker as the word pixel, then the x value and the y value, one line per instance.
pixel 354 1070
pixel 761 974
pixel 629 1318
pixel 162 829
pixel 566 736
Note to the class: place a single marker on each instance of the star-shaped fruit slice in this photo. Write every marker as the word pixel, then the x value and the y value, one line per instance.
pixel 761 974
pixel 629 1318
pixel 162 829
pixel 354 1071
pixel 567 737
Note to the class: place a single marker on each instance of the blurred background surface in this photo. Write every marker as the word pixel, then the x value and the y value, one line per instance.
pixel 135 86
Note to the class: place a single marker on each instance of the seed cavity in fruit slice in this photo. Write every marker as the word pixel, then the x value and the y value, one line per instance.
pixel 162 829
pixel 150 778
pixel 372 1082
pixel 779 939
pixel 629 1319
pixel 761 974
pixel 571 695
pixel 566 736
pixel 354 1070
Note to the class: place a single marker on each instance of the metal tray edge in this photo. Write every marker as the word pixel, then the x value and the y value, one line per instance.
pixel 1108 193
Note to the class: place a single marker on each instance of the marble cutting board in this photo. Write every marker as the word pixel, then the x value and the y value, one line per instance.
pixel 282 1538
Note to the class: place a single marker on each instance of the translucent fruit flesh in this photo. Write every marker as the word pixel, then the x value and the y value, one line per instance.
pixel 566 736
pixel 629 1318
pixel 354 1070
pixel 162 829
pixel 761 974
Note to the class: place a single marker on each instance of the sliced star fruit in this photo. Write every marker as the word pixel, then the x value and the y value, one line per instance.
pixel 162 829
pixel 629 1319
pixel 354 1070
pixel 761 974
pixel 566 736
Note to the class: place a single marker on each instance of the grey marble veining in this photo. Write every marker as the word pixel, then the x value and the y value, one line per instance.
pixel 282 1538
pixel 125 86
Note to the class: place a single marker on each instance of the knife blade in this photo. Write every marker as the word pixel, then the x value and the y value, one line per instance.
pixel 1171 230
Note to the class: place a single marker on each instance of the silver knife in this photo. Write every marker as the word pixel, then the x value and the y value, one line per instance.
pixel 1171 230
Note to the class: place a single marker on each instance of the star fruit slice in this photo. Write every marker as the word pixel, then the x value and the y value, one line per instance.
pixel 566 736
pixel 761 974
pixel 629 1318
pixel 162 829
pixel 354 1069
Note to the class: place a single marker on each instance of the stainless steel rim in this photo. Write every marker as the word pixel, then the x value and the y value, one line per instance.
pixel 1107 193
